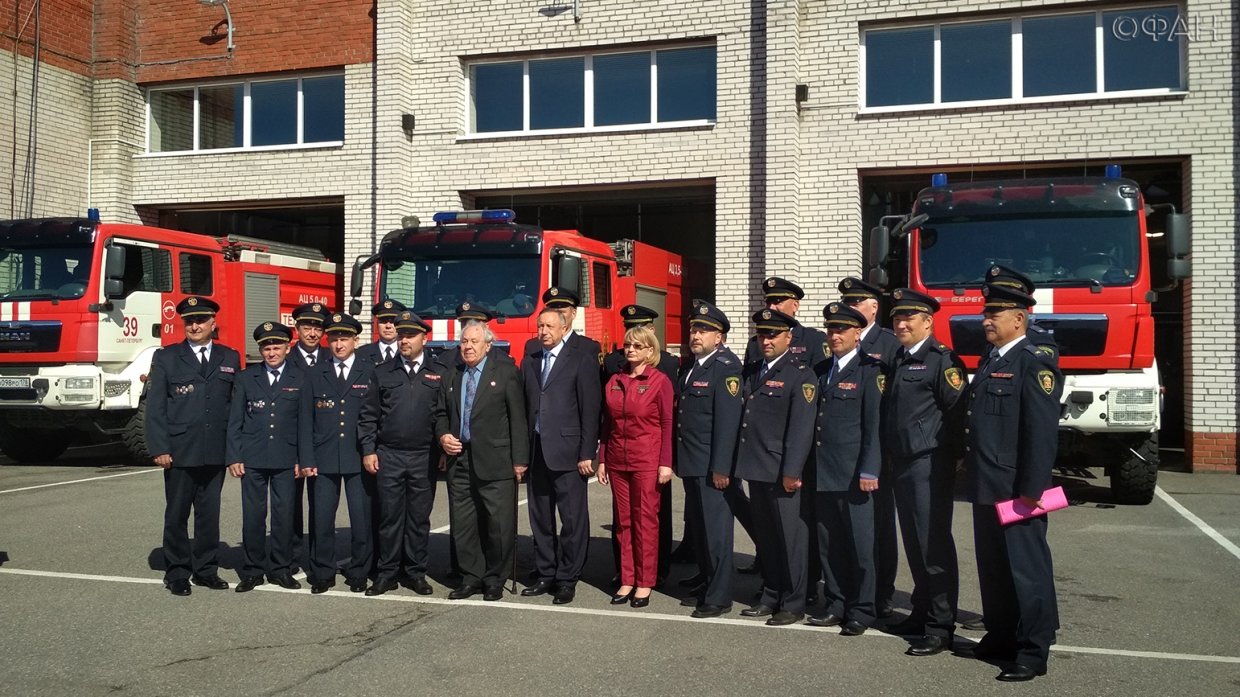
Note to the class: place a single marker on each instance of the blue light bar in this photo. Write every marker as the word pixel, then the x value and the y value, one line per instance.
pixel 1114 172
pixel 500 215
pixel 938 179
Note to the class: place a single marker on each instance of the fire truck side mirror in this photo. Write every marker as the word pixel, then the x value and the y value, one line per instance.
pixel 114 272
pixel 880 246
pixel 355 307
pixel 568 273
pixel 878 276
pixel 1178 247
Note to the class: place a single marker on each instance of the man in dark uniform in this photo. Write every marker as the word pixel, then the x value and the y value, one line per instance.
pixel 480 421
pixel 268 448
pixel 338 388
pixel 614 362
pixel 777 437
pixel 384 347
pixel 187 407
pixel 308 319
pixel 396 429
pixel 848 461
pixel 880 344
pixel 708 416
pixel 921 409
pixel 1012 424
pixel 999 275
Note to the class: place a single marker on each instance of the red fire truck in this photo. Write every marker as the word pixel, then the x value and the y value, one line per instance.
pixel 84 305
pixel 1083 241
pixel 484 257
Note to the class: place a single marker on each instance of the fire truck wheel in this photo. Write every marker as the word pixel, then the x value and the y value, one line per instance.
pixel 32 445
pixel 135 435
pixel 1135 473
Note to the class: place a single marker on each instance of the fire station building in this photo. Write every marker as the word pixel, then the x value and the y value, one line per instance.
pixel 754 138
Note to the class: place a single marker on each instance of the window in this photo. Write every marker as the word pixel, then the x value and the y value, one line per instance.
pixel 1040 57
pixel 252 114
pixel 195 274
pixel 147 269
pixel 602 285
pixel 604 91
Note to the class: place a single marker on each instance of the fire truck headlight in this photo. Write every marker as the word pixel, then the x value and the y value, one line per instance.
pixel 115 388
pixel 79 383
pixel 1134 406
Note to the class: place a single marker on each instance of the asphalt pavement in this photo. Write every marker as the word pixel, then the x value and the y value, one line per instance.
pixel 1147 605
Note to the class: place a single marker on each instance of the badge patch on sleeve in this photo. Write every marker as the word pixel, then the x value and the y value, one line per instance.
pixel 733 383
pixel 1047 380
pixel 882 383
pixel 807 391
pixel 955 378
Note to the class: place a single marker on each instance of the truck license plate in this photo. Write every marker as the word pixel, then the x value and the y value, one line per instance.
pixel 15 382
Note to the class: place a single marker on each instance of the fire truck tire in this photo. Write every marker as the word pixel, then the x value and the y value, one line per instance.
pixel 32 445
pixel 135 435
pixel 1136 472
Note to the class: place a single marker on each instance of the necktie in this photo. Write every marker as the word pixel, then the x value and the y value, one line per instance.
pixel 835 368
pixel 387 353
pixel 471 386
pixel 203 363
pixel 689 372
pixel 310 359
pixel 548 357
pixel 990 361
pixel 342 377
pixel 275 376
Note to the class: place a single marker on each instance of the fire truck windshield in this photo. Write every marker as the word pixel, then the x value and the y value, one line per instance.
pixel 433 288
pixel 43 272
pixel 1053 250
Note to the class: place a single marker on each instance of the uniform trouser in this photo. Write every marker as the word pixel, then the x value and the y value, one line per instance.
pixel 886 546
pixel 324 500
pixel 1017 584
pixel 484 522
pixel 814 565
pixel 845 522
pixel 665 534
pixel 406 492
pixel 782 543
pixel 924 501
pixel 690 536
pixel 197 488
pixel 256 486
pixel 709 513
pixel 635 508
pixel 558 558
pixel 742 510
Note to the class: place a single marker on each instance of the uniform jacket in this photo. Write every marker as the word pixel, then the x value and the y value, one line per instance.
pixel 614 363
pixel 337 409
pixel 372 353
pixel 187 413
pixel 295 357
pixel 708 416
pixel 568 406
pixel 777 426
pixel 269 427
pixel 808 346
pixel 882 345
pixel 1012 424
pixel 922 400
pixel 846 442
pixel 499 431
pixel 398 411
pixel 637 422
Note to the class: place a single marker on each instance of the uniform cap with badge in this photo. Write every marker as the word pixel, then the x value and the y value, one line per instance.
pixel 468 311
pixel 387 310
pixel 908 301
pixel 999 275
pixel 340 323
pixel 637 315
pixel 409 323
pixel 777 290
pixel 854 290
pixel 197 306
pixel 707 316
pixel 999 298
pixel 310 313
pixel 557 297
pixel 840 315
pixel 772 322
pixel 272 333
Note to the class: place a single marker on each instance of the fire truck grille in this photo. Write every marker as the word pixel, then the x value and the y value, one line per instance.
pixel 30 336
pixel 1133 406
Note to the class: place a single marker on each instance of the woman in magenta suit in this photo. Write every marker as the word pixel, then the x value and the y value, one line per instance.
pixel 635 459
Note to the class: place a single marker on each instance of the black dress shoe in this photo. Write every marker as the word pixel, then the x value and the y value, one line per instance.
pixel 463 591
pixel 178 586
pixel 884 611
pixel 783 617
pixel 929 645
pixel 418 585
pixel 317 587
pixel 691 601
pixel 357 585
pixel 215 583
pixel 758 610
pixel 639 602
pixel 977 624
pixel 493 593
pixel 284 581
pixel 249 583
pixel 564 595
pixel 1019 673
pixel 692 581
pixel 826 620
pixel 704 611
pixel 852 628
pixel 538 588
pixel 619 599
pixel 382 586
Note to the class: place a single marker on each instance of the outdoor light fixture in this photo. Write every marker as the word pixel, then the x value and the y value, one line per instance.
pixel 227 17
pixel 407 122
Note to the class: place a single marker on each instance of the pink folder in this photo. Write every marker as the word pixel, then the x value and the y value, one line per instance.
pixel 1015 510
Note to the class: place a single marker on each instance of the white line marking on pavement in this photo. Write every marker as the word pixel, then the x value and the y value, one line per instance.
pixel 1201 524
pixel 79 481
pixel 623 614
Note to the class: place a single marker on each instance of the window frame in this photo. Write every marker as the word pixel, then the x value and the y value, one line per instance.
pixel 468 64
pixel 1017 59
pixel 246 115
pixel 186 258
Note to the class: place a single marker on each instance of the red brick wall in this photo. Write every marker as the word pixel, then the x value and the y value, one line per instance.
pixel 1212 452
pixel 64 31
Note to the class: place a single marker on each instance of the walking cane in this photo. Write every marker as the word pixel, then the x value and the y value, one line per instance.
pixel 515 535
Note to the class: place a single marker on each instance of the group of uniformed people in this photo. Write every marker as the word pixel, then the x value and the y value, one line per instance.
pixel 835 435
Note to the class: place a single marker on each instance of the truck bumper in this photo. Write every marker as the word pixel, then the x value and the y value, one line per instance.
pixel 67 388
pixel 1114 402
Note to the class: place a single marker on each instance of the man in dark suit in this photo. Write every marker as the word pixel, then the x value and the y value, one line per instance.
pixel 708 416
pixel 481 424
pixel 880 344
pixel 384 347
pixel 268 447
pixel 1012 429
pixel 187 407
pixel 921 409
pixel 776 439
pixel 308 319
pixel 338 389
pixel 614 362
pixel 396 429
pixel 566 302
pixel 848 460
pixel 563 400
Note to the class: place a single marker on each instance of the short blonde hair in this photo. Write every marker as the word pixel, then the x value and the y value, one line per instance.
pixel 644 335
